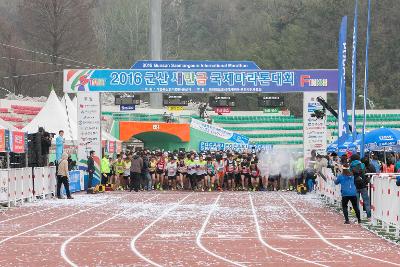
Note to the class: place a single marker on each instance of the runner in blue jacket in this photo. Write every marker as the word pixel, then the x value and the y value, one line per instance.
pixel 349 193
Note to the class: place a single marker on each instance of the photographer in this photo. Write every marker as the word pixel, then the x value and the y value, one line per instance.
pixel 45 144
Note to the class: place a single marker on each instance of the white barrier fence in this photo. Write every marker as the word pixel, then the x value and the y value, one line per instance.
pixel 45 181
pixel 385 201
pixel 383 192
pixel 25 184
pixel 16 185
pixel 327 188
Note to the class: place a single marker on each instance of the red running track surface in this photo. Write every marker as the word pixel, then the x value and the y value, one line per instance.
pixel 187 229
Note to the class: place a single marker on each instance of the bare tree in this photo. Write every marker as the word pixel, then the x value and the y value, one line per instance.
pixel 59 28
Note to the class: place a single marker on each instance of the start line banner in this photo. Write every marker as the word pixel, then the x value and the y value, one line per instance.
pixel 199 81
pixel 218 146
pixel 219 132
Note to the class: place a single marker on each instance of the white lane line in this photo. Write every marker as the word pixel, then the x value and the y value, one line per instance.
pixel 260 238
pixel 330 243
pixel 46 224
pixel 135 238
pixel 27 214
pixel 201 232
pixel 49 223
pixel 66 242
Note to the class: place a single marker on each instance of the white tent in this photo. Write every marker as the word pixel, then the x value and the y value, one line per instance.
pixel 8 126
pixel 53 117
pixel 73 115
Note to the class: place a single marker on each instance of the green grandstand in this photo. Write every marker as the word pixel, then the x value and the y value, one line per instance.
pixel 282 131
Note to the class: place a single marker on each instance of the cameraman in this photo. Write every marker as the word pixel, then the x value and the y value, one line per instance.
pixel 46 144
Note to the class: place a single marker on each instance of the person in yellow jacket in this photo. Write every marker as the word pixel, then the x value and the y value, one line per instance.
pixel 105 169
pixel 119 171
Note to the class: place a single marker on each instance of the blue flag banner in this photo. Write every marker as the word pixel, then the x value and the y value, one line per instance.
pixel 362 149
pixel 354 72
pixel 342 102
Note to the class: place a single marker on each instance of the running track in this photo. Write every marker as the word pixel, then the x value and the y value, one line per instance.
pixel 187 229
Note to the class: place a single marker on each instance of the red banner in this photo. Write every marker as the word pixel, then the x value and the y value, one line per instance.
pixel 18 142
pixel 119 147
pixel 111 146
pixel 2 140
pixel 221 110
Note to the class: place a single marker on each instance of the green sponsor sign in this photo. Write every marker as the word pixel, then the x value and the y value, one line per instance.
pixel 271 110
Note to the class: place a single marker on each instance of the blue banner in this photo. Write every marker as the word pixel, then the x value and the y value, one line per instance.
pixel 362 148
pixel 238 138
pixel 74 182
pixel 126 107
pixel 200 65
pixel 200 81
pixel 342 102
pixel 218 131
pixel 218 146
pixel 354 72
pixel 212 146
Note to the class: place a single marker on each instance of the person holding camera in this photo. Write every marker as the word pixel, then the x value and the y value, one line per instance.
pixel 63 176
pixel 45 145
pixel 90 169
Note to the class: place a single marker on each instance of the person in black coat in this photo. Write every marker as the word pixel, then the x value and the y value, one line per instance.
pixel 90 169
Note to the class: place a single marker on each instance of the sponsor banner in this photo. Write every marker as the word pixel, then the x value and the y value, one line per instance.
pixel 175 108
pixel 218 146
pixel 343 123
pixel 89 129
pixel 17 142
pixel 119 147
pixel 2 140
pixel 219 132
pixel 69 149
pixel 3 186
pixel 127 107
pixel 111 147
pixel 315 130
pixel 271 110
pixel 199 81
pixel 251 147
pixel 181 64
pixel 212 146
pixel 74 182
pixel 354 73
pixel 222 110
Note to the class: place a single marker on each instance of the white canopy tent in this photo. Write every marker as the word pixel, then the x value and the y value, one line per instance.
pixel 53 118
pixel 8 126
pixel 73 115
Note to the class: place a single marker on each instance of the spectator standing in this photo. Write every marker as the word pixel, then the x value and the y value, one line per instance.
pixel 147 181
pixel 361 182
pixel 349 193
pixel 59 145
pixel 397 166
pixel 63 176
pixel 90 168
pixel 375 162
pixel 136 172
pixel 105 169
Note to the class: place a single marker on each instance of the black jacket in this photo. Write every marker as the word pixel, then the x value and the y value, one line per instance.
pixel 145 167
pixel 90 165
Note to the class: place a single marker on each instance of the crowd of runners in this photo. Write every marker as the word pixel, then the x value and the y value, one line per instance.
pixel 207 171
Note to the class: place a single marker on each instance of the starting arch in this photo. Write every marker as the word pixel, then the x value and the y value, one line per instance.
pixel 149 130
pixel 193 77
